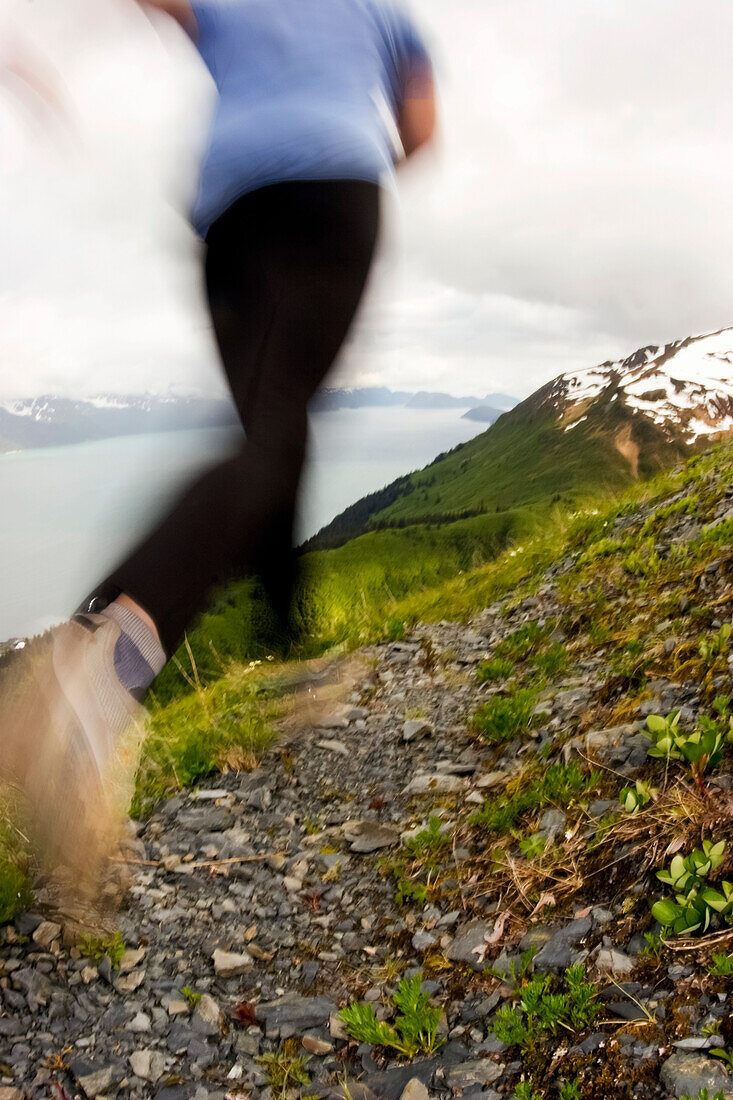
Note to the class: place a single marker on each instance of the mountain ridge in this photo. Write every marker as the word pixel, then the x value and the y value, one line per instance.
pixel 52 420
pixel 600 427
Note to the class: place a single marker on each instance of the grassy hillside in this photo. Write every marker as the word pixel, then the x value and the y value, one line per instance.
pixel 528 460
pixel 525 474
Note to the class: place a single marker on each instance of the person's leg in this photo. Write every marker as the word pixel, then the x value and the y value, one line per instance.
pixel 286 268
pixel 284 281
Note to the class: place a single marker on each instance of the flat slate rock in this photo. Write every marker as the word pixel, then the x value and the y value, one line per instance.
pixel 685 1074
pixel 560 950
pixel 293 1011
pixel 467 945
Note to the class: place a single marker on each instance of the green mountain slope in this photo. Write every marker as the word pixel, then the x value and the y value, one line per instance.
pixel 527 459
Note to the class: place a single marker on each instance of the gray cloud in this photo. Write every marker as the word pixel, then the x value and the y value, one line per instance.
pixel 578 206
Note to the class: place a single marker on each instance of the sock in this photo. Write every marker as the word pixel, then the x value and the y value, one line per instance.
pixel 138 655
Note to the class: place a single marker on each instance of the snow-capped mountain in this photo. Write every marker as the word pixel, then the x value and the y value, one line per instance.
pixel 54 421
pixel 684 388
pixel 50 420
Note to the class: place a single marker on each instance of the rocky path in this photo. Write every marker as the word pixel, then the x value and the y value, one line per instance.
pixel 263 887
pixel 261 903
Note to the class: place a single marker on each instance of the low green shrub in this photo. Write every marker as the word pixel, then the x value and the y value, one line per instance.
pixel 721 966
pixel 505 716
pixel 415 1029
pixel 559 784
pixel 700 749
pixel 635 798
pixel 95 948
pixel 285 1068
pixel 695 905
pixel 498 668
pixel 543 1009
pixel 522 643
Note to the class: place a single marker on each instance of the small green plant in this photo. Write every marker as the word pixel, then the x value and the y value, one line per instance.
pixel 522 643
pixel 635 798
pixel 560 784
pixel 285 1068
pixel 703 1095
pixel 525 1091
pixel 415 1030
pixel 654 946
pixel 429 842
pixel 598 632
pixel 542 1012
pixel 190 996
pixel 721 966
pixel 15 892
pixel 695 904
pixel 410 891
pixel 498 668
pixel 601 548
pixel 515 973
pixel 701 749
pixel 715 645
pixel 553 660
pixel 644 561
pixel 569 1090
pixel 532 847
pixel 505 716
pixel 95 948
pixel 724 1055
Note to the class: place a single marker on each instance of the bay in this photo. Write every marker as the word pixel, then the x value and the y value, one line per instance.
pixel 69 514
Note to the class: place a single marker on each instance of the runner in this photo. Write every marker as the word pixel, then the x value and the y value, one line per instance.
pixel 318 100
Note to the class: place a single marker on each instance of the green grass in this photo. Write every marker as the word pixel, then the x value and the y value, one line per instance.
pixel 15 890
pixel 229 722
pixel 498 668
pixel 558 785
pixel 96 948
pixel 505 716
pixel 522 643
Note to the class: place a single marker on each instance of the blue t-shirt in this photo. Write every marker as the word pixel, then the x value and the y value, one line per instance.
pixel 308 89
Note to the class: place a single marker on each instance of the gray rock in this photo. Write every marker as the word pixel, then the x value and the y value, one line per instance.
pixel 390 1084
pixel 438 783
pixel 206 1017
pixel 227 964
pixel 292 1011
pixel 149 1065
pixel 93 1082
pixel 468 945
pixel 370 836
pixel 619 964
pixel 688 1073
pixel 552 824
pixel 482 1071
pixel 415 1090
pixel 422 940
pixel 416 727
pixel 559 951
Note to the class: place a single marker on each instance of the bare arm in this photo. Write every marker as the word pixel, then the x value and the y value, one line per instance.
pixel 417 120
pixel 180 10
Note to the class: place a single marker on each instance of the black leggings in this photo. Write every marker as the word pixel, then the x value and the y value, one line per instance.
pixel 285 270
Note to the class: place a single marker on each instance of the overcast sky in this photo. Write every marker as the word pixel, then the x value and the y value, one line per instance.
pixel 579 205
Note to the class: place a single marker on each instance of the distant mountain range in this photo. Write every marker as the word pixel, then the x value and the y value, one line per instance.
pixel 585 430
pixel 53 421
pixel 381 397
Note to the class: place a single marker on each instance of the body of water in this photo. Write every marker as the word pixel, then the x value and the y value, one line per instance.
pixel 71 513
